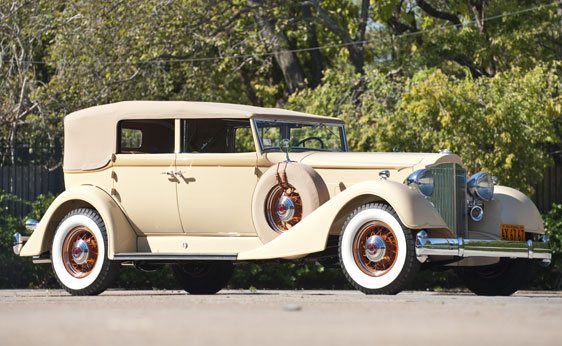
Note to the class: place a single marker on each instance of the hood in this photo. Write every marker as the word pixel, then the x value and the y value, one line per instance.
pixel 358 160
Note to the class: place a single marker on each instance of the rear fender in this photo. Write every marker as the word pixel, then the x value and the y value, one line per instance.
pixel 120 235
pixel 310 234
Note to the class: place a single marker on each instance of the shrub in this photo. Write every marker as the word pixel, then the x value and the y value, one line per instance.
pixel 551 277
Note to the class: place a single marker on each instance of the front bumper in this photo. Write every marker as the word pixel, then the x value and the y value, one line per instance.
pixel 460 247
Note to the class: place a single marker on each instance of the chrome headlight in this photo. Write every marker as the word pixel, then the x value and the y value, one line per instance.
pixel 422 180
pixel 481 186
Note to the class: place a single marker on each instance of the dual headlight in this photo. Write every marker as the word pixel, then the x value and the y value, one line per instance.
pixel 421 180
pixel 481 186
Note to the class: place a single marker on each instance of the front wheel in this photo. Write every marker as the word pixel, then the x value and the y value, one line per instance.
pixel 203 277
pixel 501 279
pixel 376 251
pixel 79 254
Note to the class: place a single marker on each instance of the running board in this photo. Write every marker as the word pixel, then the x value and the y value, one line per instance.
pixel 148 256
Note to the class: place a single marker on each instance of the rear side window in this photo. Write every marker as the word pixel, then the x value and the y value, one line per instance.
pixel 146 136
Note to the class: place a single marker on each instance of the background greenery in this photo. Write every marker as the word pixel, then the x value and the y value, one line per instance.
pixel 481 78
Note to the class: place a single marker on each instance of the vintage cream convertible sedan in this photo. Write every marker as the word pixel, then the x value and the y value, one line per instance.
pixel 202 186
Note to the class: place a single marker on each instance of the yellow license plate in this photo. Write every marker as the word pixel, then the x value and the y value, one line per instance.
pixel 512 232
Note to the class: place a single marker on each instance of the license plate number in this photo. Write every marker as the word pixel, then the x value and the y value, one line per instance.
pixel 512 232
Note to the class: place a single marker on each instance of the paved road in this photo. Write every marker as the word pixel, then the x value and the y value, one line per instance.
pixel 288 318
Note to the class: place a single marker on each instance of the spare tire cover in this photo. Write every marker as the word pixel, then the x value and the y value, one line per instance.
pixel 279 204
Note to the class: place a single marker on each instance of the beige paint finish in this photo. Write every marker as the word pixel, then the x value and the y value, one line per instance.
pixel 508 206
pixel 99 124
pixel 100 178
pixel 311 233
pixel 342 170
pixel 146 193
pixel 120 235
pixel 197 245
pixel 214 193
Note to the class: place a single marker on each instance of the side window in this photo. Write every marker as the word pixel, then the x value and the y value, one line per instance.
pixel 217 136
pixel 131 139
pixel 146 136
pixel 243 140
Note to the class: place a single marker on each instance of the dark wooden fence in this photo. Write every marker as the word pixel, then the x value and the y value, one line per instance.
pixel 549 191
pixel 27 182
pixel 36 170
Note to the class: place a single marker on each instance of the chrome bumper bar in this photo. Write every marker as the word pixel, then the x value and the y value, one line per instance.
pixel 460 247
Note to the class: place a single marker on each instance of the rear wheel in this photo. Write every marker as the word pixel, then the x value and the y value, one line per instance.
pixel 500 279
pixel 376 251
pixel 203 277
pixel 79 254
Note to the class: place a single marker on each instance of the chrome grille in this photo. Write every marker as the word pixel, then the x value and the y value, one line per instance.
pixel 449 195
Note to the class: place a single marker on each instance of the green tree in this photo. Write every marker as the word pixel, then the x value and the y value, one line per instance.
pixel 500 124
pixel 24 36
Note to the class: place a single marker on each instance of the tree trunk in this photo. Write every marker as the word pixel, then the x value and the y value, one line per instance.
pixel 287 61
pixel 316 65
pixel 249 88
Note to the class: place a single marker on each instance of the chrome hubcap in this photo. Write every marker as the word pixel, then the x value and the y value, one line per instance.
pixel 80 252
pixel 375 249
pixel 285 209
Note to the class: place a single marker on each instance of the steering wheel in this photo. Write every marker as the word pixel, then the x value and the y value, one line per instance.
pixel 312 138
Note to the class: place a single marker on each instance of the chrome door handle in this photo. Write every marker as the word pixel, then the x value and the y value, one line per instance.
pixel 179 173
pixel 170 173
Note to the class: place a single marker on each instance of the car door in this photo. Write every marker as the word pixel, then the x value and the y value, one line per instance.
pixel 217 176
pixel 143 174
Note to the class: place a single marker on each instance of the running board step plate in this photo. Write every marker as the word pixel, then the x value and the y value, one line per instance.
pixel 148 256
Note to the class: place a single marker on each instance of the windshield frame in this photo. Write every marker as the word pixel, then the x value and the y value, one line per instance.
pixel 263 149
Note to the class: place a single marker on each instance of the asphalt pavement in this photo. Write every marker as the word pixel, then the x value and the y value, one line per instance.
pixel 241 317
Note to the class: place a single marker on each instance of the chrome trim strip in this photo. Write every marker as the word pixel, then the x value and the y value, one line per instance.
pixel 41 260
pixel 147 256
pixel 460 247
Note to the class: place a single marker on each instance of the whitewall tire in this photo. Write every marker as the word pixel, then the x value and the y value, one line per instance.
pixel 376 251
pixel 79 253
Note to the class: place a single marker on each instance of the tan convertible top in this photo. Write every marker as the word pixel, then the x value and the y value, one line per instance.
pixel 90 135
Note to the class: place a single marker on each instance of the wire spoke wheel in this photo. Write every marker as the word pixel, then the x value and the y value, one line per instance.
pixel 283 208
pixel 375 248
pixel 376 251
pixel 284 195
pixel 80 252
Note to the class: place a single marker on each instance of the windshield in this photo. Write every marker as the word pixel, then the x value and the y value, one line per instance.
pixel 303 136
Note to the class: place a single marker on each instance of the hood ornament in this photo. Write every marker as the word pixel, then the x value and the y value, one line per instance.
pixel 285 146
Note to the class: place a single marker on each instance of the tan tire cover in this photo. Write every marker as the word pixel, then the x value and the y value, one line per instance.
pixel 306 181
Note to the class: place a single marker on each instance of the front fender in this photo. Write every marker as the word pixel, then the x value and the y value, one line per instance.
pixel 120 235
pixel 508 206
pixel 310 234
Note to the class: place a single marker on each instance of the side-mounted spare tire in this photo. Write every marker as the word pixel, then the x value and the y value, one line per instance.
pixel 285 194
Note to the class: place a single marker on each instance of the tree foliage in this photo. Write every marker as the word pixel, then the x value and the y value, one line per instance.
pixel 499 124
